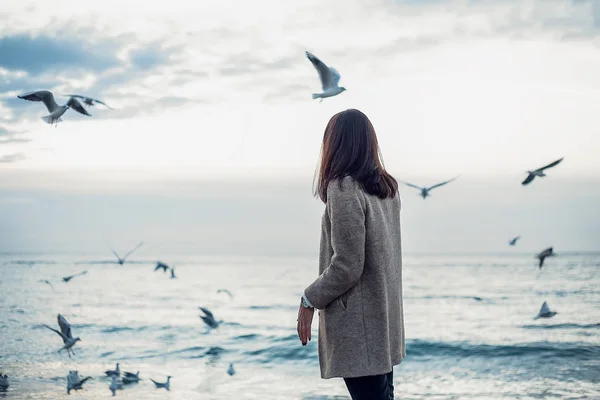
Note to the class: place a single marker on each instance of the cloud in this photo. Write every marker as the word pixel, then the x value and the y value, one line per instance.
pixel 12 158
pixel 35 55
pixel 9 135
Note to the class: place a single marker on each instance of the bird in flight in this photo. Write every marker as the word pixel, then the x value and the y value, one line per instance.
pixel 209 318
pixel 65 334
pixel 549 252
pixel 424 191
pixel 329 78
pixel 225 291
pixel 89 101
pixel 545 312
pixel 46 281
pixel 74 382
pixel 514 240
pixel 161 265
pixel 120 260
pixel 56 111
pixel 539 172
pixel 68 278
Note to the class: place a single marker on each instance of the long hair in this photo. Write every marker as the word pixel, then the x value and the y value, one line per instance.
pixel 350 148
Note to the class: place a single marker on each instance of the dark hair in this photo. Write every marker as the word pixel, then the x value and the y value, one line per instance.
pixel 350 148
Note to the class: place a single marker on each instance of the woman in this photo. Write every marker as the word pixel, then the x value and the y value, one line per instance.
pixel 359 289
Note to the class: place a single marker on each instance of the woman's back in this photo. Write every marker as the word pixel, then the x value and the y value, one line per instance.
pixel 362 294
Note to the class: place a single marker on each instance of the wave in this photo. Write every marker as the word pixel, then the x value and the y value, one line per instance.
pixel 426 349
pixel 563 326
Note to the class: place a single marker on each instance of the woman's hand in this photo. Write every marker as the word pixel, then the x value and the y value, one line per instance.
pixel 305 317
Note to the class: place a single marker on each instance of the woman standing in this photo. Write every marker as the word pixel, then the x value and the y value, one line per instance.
pixel 359 289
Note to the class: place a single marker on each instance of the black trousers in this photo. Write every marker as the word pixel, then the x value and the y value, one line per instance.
pixel 376 387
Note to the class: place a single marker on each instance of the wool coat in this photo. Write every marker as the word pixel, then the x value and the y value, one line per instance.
pixel 359 289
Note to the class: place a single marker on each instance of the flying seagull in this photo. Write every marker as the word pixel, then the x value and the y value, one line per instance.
pixel 166 385
pixel 68 278
pixel 115 372
pixel 129 377
pixel 54 109
pixel 161 265
pixel 88 101
pixel 225 291
pixel 539 172
pixel 173 273
pixel 424 191
pixel 74 382
pixel 329 78
pixel 514 240
pixel 47 282
pixel 3 382
pixel 120 260
pixel 209 318
pixel 545 312
pixel 549 252
pixel 115 385
pixel 65 333
pixel 231 370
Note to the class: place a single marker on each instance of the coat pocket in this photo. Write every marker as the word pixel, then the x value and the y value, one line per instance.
pixel 343 299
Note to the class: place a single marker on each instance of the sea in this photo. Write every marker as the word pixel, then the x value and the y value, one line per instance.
pixel 470 327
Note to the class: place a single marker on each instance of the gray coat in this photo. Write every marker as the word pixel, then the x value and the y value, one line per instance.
pixel 359 289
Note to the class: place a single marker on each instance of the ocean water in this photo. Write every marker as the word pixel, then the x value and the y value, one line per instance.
pixel 459 347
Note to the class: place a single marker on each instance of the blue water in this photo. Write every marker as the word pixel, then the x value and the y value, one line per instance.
pixel 458 347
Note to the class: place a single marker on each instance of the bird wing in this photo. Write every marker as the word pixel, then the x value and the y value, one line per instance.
pixel 442 183
pixel 411 185
pixel 129 375
pixel 131 251
pixel 335 76
pixel 65 328
pixel 529 178
pixel 324 72
pixel 77 106
pixel 552 164
pixel 545 309
pixel 207 312
pixel 81 382
pixel 44 96
pixel 58 332
pixel 103 103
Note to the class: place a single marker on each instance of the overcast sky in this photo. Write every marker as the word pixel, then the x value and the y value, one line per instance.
pixel 221 90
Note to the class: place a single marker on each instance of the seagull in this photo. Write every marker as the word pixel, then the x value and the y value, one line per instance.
pixel 424 190
pixel 545 312
pixel 225 291
pixel 209 318
pixel 173 273
pixel 88 101
pixel 74 382
pixel 115 372
pixel 3 382
pixel 230 370
pixel 166 385
pixel 115 385
pixel 549 252
pixel 65 334
pixel 161 265
pixel 329 78
pixel 54 109
pixel 539 172
pixel 68 278
pixel 47 282
pixel 514 240
pixel 120 260
pixel 129 377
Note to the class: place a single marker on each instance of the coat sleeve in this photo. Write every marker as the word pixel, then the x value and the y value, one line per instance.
pixel 346 209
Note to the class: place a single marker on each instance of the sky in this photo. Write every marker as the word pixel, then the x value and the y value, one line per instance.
pixel 216 96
